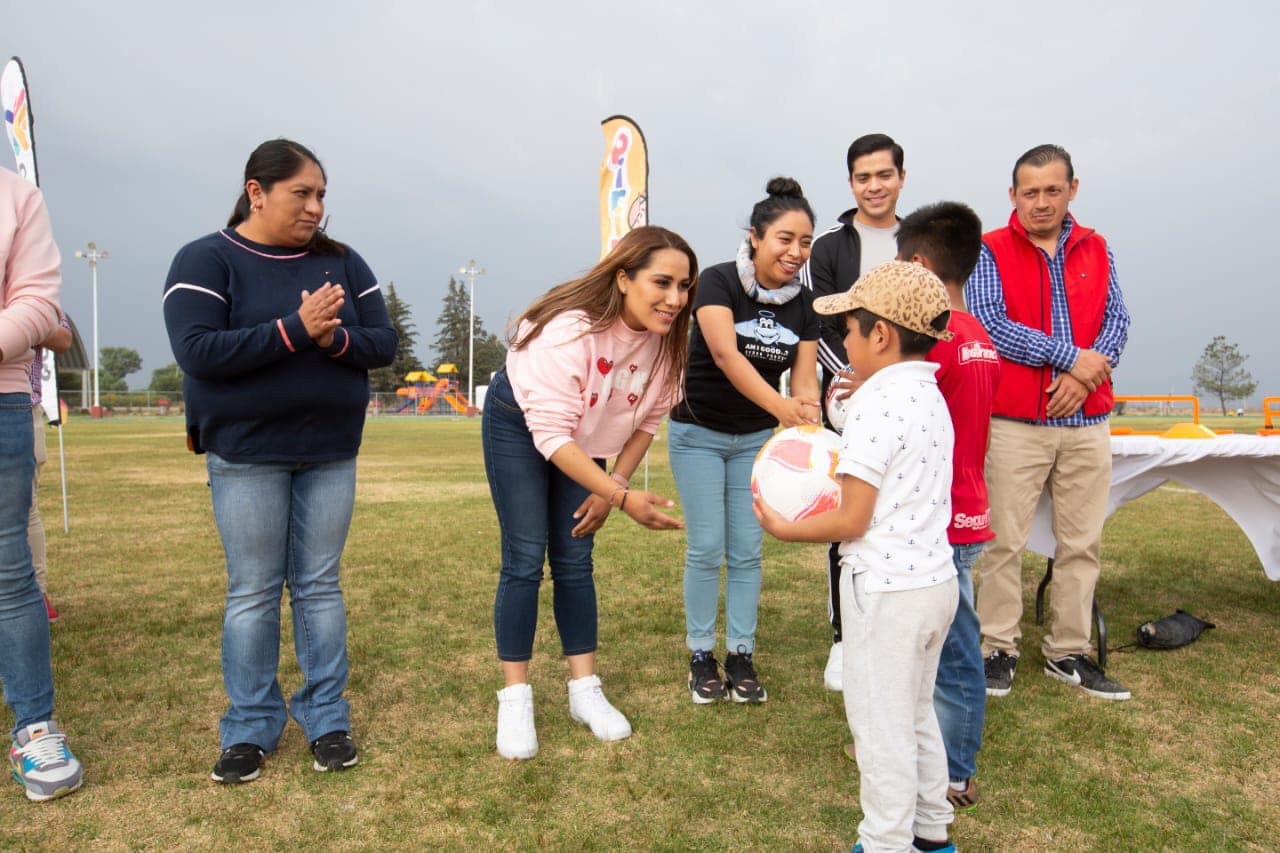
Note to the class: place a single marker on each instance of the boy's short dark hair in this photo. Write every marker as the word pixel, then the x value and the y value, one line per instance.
pixel 948 234
pixel 910 343
pixel 870 144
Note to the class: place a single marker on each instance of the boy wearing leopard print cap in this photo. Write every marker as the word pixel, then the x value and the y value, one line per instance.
pixel 897 580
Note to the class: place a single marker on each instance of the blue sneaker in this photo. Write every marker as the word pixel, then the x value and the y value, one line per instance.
pixel 42 762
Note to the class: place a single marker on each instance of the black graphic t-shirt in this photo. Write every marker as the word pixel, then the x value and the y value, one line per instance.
pixel 768 335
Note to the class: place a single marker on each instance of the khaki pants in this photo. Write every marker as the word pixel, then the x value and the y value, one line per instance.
pixel 35 527
pixel 1074 464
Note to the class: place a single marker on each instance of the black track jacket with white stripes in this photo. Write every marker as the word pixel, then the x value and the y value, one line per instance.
pixel 835 261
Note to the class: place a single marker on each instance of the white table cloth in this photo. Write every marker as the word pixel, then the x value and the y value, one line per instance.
pixel 1240 473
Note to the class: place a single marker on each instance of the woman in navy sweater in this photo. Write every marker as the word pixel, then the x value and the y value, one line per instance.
pixel 275 326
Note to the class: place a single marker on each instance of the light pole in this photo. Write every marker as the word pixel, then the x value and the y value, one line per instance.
pixel 471 271
pixel 92 255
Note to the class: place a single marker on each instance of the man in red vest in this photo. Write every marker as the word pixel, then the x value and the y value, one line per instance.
pixel 1045 289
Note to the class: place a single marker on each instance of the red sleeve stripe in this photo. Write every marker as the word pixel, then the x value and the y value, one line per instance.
pixel 285 335
pixel 346 342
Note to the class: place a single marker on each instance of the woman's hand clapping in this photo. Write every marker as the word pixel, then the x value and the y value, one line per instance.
pixel 319 312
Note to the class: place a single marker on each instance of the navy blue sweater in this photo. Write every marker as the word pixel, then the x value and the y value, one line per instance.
pixel 257 387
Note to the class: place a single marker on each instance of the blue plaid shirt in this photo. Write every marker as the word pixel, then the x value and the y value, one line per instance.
pixel 1025 345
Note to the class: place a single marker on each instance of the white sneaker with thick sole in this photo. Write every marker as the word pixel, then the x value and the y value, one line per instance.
pixel 517 739
pixel 587 705
pixel 833 675
pixel 42 762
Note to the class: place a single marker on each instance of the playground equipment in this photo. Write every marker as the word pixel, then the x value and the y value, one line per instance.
pixel 426 393
pixel 1270 411
pixel 1194 429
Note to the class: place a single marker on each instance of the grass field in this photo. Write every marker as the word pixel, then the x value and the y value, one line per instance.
pixel 1191 763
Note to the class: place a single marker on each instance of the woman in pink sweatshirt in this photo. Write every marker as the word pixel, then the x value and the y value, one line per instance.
pixel 593 366
pixel 29 283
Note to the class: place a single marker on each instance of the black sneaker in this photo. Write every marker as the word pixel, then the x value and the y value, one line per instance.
pixel 705 684
pixel 740 674
pixel 999 667
pixel 240 762
pixel 334 751
pixel 1081 671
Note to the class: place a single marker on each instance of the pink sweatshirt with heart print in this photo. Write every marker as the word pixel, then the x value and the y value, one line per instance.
pixel 29 264
pixel 588 388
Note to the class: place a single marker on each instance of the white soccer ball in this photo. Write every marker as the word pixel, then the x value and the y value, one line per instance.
pixel 795 472
pixel 837 410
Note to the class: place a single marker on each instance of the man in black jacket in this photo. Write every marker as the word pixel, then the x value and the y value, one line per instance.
pixel 863 239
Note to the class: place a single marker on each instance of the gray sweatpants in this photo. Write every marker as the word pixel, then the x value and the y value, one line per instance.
pixel 892 644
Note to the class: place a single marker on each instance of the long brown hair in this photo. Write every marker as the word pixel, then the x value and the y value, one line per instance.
pixel 596 294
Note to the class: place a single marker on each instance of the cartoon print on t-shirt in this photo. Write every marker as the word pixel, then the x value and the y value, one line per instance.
pixel 768 337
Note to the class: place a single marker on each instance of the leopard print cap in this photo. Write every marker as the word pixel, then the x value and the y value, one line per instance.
pixel 903 292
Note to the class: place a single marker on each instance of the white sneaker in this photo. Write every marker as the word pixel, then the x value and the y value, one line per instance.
pixel 833 675
pixel 517 738
pixel 588 705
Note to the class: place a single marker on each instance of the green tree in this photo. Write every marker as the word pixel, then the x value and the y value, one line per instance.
pixel 1220 372
pixel 452 342
pixel 167 379
pixel 115 365
pixel 491 354
pixel 388 379
pixel 68 380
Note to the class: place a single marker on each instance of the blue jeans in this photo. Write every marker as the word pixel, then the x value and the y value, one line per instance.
pixel 960 692
pixel 713 475
pixel 535 502
pixel 283 523
pixel 25 669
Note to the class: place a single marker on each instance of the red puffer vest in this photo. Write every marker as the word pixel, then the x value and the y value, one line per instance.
pixel 1024 277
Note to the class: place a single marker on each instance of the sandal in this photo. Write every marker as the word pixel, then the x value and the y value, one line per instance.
pixel 966 800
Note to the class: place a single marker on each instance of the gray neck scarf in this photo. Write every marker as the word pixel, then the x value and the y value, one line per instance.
pixel 763 295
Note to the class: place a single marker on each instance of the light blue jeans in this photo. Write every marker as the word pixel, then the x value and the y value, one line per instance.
pixel 960 691
pixel 25 669
pixel 713 475
pixel 283 524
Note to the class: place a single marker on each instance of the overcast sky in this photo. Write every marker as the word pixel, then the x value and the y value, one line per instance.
pixel 471 130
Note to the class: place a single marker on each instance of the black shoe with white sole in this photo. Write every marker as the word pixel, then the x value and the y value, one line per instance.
pixel 999 668
pixel 705 684
pixel 1081 671
pixel 240 762
pixel 334 751
pixel 740 674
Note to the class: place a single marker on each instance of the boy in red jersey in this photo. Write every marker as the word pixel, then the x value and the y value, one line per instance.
pixel 946 239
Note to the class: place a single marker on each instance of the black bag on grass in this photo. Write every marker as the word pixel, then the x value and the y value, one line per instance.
pixel 1172 632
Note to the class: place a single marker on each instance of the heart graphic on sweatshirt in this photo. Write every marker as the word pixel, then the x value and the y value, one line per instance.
pixel 594 396
pixel 634 368
pixel 604 365
pixel 631 399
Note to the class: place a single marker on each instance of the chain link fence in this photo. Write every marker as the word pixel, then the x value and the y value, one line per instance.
pixel 170 404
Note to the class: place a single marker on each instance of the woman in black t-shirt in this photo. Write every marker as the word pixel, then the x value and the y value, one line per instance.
pixel 753 321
